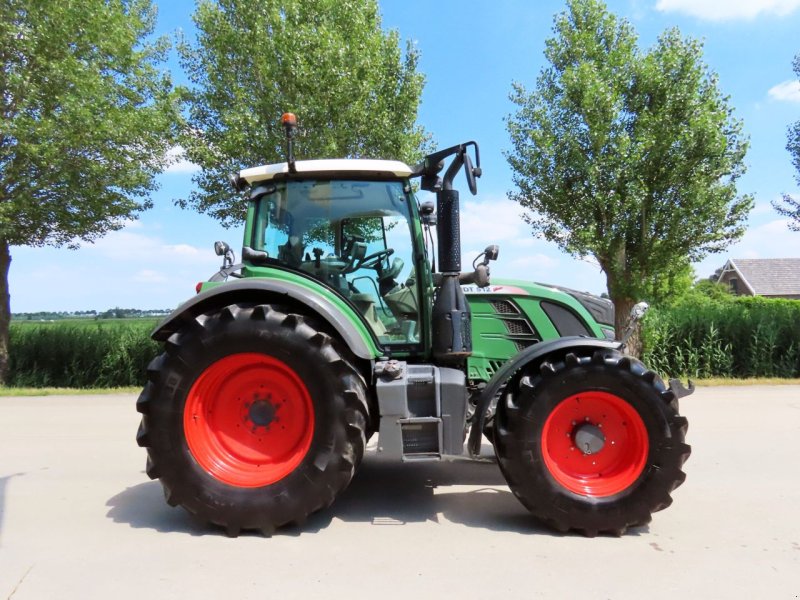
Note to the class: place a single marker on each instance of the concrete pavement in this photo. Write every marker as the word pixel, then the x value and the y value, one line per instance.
pixel 80 519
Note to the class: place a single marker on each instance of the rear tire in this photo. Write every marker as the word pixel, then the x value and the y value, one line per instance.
pixel 591 443
pixel 252 418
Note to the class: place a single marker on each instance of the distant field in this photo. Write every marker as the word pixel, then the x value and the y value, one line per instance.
pixel 149 321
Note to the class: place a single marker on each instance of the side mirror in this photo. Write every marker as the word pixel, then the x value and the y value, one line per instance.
pixel 638 310
pixel 426 213
pixel 481 276
pixel 491 253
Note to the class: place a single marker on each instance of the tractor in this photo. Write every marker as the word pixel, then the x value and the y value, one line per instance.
pixel 340 324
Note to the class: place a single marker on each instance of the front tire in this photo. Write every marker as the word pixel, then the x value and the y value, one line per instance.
pixel 591 443
pixel 252 418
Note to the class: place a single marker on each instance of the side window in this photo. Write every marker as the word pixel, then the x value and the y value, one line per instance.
pixel 382 284
pixel 353 236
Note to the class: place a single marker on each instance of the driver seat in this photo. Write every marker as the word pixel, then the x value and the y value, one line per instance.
pixel 291 252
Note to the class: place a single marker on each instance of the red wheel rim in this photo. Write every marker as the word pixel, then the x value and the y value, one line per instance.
pixel 248 420
pixel 619 444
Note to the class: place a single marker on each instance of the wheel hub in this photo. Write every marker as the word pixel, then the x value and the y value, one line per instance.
pixel 595 443
pixel 589 439
pixel 261 413
pixel 249 419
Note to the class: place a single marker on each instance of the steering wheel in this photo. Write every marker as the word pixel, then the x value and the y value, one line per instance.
pixel 373 260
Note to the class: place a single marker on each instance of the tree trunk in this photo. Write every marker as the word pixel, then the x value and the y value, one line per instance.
pixel 5 308
pixel 622 319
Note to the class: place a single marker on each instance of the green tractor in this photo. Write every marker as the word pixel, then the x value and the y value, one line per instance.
pixel 337 326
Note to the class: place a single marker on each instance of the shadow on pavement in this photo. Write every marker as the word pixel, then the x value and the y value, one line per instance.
pixel 387 493
pixel 383 493
pixel 143 507
pixel 3 484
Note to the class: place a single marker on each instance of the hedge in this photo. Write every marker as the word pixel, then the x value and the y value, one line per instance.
pixel 738 337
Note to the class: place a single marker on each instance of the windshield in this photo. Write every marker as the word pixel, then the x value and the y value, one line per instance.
pixel 355 237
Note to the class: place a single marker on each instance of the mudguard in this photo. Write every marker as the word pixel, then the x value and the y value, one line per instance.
pixel 531 355
pixel 357 338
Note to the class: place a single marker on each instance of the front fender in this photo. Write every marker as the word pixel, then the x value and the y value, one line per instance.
pixel 532 355
pixel 335 312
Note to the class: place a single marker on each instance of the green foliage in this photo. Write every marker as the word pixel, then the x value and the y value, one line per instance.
pixel 355 93
pixel 86 120
pixel 630 156
pixel 790 205
pixel 727 337
pixel 669 287
pixel 80 354
pixel 88 117
pixel 711 289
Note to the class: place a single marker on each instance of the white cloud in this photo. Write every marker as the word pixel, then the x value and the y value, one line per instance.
pixel 762 209
pixel 178 162
pixel 773 239
pixel 185 250
pixel 129 248
pixel 128 268
pixel 499 221
pixel 786 91
pixel 150 276
pixel 728 10
pixel 534 261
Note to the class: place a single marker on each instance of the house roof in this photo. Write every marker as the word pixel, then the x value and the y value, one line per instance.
pixel 767 276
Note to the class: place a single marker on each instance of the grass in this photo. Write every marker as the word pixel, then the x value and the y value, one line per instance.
pixel 60 391
pixel 720 381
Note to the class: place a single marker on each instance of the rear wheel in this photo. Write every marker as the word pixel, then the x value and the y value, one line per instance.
pixel 591 443
pixel 252 418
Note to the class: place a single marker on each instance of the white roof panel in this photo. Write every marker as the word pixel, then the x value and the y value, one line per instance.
pixel 329 167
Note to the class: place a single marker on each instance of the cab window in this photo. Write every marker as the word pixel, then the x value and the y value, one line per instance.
pixel 355 237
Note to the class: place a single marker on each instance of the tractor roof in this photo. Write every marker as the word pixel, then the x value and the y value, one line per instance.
pixel 330 168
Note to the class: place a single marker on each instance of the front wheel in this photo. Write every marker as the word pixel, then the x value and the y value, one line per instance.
pixel 253 418
pixel 591 443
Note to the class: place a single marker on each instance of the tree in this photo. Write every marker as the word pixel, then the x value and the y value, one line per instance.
pixel 626 155
pixel 790 207
pixel 669 286
pixel 354 92
pixel 87 119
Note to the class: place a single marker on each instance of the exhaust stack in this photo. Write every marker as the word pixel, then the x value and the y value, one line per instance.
pixel 452 332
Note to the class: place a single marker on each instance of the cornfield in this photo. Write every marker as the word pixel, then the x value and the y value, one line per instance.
pixel 79 354
pixel 699 337
pixel 740 337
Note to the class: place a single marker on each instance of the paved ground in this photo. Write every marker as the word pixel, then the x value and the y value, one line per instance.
pixel 79 519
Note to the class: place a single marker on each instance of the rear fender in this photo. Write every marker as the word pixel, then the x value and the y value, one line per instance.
pixel 342 320
pixel 532 356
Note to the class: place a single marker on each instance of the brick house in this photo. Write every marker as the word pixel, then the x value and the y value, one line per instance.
pixel 768 277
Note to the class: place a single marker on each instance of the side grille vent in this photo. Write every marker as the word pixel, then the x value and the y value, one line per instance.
pixel 518 327
pixel 494 366
pixel 504 307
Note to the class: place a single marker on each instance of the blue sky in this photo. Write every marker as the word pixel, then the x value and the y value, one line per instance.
pixel 470 53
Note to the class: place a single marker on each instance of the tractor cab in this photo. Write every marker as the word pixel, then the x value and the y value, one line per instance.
pixel 353 234
pixel 354 225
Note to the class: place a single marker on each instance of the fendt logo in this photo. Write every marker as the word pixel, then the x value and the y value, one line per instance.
pixel 494 289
